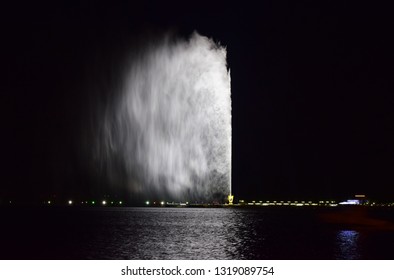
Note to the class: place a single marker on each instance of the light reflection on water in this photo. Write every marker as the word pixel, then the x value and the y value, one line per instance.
pixel 347 241
pixel 221 233
pixel 203 233
pixel 185 233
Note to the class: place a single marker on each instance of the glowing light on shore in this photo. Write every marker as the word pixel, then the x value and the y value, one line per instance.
pixel 350 202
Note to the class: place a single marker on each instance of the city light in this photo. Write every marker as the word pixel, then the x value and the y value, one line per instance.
pixel 350 202
pixel 254 203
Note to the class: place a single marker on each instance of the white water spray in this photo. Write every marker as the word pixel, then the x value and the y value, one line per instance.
pixel 169 130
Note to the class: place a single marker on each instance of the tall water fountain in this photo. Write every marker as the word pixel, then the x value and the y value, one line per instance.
pixel 169 127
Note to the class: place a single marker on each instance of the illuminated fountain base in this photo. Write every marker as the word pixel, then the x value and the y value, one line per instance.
pixel 230 199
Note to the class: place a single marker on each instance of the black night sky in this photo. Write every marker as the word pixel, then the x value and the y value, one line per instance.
pixel 312 91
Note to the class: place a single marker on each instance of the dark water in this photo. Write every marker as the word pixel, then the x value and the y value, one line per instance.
pixel 184 233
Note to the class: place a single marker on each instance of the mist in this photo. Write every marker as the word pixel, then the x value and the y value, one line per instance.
pixel 166 130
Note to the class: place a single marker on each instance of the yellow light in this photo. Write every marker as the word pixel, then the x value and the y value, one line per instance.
pixel 162 203
pixel 70 202
pixel 49 202
pixel 104 202
pixel 230 199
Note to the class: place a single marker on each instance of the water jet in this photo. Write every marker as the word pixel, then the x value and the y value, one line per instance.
pixel 167 131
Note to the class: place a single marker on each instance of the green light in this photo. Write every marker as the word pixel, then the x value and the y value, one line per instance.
pixel 120 202
pixel 147 203
pixel 93 202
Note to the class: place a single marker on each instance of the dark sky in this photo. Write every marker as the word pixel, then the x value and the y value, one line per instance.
pixel 312 91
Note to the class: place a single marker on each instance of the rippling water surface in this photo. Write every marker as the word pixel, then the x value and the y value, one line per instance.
pixel 184 233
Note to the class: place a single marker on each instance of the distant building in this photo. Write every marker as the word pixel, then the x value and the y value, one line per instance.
pixel 359 199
